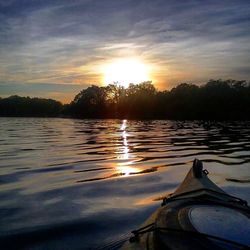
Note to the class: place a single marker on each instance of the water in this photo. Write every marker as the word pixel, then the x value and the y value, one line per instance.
pixel 80 183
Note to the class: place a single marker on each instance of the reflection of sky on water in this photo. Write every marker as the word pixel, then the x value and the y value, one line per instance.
pixel 68 177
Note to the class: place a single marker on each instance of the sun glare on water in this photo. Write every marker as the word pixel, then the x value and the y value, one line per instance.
pixel 126 71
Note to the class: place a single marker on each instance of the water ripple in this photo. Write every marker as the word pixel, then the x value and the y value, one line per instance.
pixel 60 171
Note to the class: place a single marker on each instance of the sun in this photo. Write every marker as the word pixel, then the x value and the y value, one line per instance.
pixel 126 71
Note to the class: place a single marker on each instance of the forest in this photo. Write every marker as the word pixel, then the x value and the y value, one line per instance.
pixel 29 107
pixel 215 100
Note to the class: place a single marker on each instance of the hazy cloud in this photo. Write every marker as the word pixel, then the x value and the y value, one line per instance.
pixel 66 41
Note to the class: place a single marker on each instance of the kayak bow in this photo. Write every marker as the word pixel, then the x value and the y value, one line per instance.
pixel 198 215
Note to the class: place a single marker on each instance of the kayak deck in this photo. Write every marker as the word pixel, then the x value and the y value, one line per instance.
pixel 197 179
pixel 178 223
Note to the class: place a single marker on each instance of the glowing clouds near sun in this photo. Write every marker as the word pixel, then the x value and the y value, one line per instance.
pixel 126 71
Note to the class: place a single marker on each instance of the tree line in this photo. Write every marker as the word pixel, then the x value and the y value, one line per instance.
pixel 215 100
pixel 26 106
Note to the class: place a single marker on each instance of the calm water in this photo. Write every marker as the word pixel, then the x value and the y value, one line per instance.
pixel 79 183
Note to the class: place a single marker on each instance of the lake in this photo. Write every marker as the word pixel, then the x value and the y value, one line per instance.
pixel 82 183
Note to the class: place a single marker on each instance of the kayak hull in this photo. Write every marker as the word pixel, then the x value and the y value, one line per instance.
pixel 182 222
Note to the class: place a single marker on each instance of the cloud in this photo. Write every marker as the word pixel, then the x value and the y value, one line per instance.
pixel 67 41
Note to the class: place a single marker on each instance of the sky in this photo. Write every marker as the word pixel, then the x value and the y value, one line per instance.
pixel 53 49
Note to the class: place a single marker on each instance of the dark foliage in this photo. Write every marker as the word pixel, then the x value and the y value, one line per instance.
pixel 216 100
pixel 114 101
pixel 26 106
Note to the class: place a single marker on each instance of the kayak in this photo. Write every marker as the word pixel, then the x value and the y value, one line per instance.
pixel 198 215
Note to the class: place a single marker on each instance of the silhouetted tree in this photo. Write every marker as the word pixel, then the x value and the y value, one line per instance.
pixel 215 100
pixel 141 100
pixel 90 102
pixel 26 106
pixel 116 100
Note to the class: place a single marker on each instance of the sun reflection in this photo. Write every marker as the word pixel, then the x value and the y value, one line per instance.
pixel 125 148
pixel 127 170
pixel 124 167
pixel 124 125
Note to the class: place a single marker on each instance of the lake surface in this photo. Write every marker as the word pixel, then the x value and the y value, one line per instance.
pixel 82 183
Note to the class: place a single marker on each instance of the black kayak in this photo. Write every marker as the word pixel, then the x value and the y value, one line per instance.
pixel 198 215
